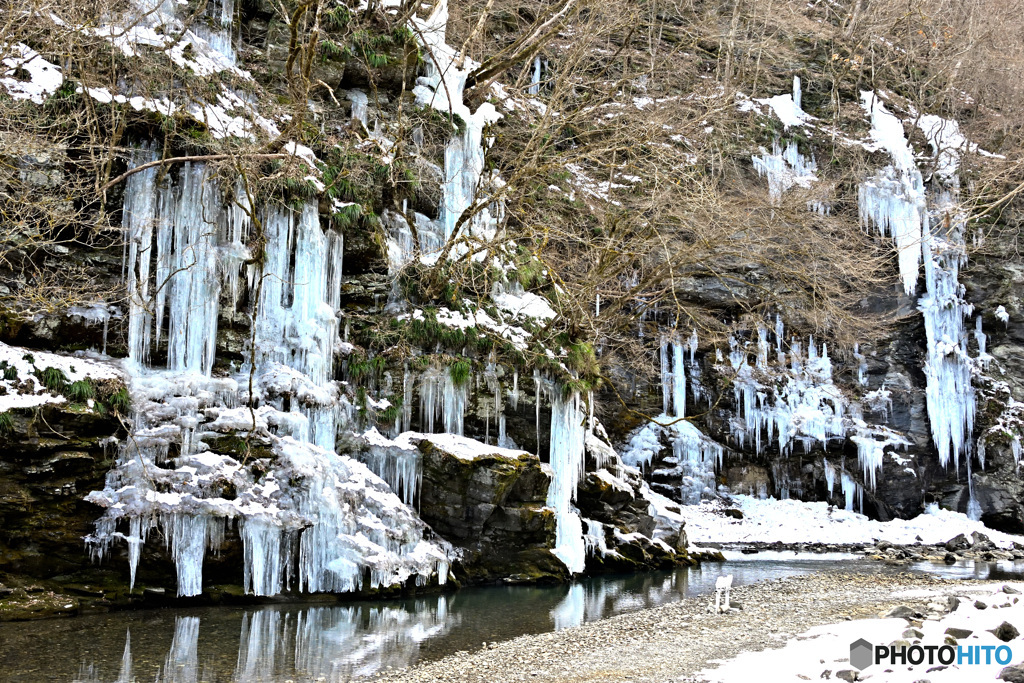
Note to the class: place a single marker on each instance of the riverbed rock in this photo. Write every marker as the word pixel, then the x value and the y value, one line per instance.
pixel 1005 632
pixel 958 633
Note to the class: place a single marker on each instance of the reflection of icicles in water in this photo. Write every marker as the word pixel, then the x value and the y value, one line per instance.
pixel 341 643
pixel 571 611
pixel 261 644
pixel 182 663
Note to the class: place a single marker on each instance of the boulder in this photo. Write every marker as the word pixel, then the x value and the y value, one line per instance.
pixel 491 505
pixel 958 542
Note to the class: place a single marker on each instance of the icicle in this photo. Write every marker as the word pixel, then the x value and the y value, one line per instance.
pixel 566 458
pixel 534 88
pixel 949 391
pixel 849 490
pixel 830 476
pixel 666 378
pixel 973 506
pixel 678 380
pixel 894 199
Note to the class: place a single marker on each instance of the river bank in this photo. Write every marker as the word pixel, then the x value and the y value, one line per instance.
pixel 676 642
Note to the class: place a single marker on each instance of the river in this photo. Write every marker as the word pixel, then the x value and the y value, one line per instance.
pixel 339 642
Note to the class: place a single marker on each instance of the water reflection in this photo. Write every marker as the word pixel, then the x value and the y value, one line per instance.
pixel 355 640
pixel 276 643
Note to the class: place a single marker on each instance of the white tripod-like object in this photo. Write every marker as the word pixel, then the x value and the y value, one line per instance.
pixel 722 585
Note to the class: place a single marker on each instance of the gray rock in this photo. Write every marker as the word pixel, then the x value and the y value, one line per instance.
pixel 958 542
pixel 950 558
pixel 1013 674
pixel 912 633
pixel 980 605
pixel 846 675
pixel 958 633
pixel 1005 632
pixel 1011 590
pixel 901 612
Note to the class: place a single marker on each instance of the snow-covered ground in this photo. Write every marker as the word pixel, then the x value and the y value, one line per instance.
pixel 827 648
pixel 792 521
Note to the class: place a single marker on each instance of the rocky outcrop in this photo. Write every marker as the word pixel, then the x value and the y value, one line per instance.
pixel 491 505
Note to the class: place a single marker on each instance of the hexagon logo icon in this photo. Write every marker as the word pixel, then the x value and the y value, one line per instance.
pixel 861 654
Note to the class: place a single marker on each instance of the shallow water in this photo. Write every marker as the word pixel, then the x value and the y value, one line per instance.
pixel 339 642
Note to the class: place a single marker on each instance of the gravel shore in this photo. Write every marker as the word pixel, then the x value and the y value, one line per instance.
pixel 670 644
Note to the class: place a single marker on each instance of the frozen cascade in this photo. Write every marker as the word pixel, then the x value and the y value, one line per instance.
pixel 324 519
pixel 696 456
pixel 786 168
pixel 949 392
pixel 179 287
pixel 807 406
pixel 566 458
pixel 894 199
pixel 673 377
pixel 802 404
pixel 442 88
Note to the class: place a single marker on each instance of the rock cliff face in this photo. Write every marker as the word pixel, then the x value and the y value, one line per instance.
pixel 375 299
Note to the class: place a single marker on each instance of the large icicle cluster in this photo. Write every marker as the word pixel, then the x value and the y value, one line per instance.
pixel 314 520
pixel 797 401
pixel 894 199
pixel 929 228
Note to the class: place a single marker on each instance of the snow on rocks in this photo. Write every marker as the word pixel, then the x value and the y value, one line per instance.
pixel 26 75
pixel 792 521
pixel 25 390
pixel 787 107
pixel 981 630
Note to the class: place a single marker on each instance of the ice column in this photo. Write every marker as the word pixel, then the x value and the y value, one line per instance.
pixel 950 394
pixel 567 439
